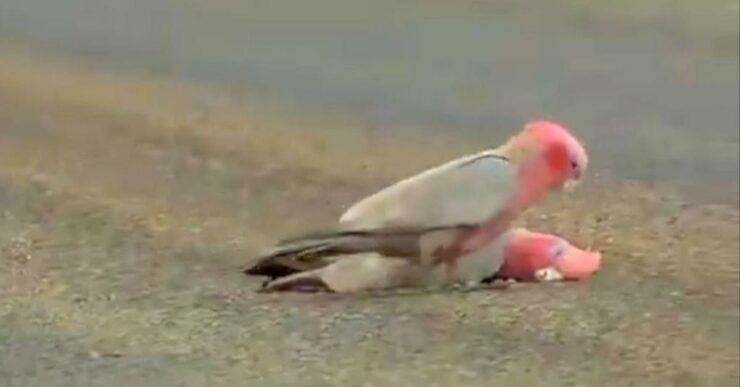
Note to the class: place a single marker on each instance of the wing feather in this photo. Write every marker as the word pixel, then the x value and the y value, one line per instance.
pixel 467 190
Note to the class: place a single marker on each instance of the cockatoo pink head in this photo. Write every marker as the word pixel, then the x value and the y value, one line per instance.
pixel 528 255
pixel 564 154
pixel 548 157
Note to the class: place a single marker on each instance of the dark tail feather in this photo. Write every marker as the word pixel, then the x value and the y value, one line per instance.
pixel 308 281
pixel 314 247
pixel 299 254
pixel 270 269
pixel 378 232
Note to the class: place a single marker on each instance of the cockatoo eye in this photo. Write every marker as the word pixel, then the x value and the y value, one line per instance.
pixel 557 250
pixel 575 169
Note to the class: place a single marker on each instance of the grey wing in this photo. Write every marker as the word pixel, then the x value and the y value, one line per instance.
pixel 468 190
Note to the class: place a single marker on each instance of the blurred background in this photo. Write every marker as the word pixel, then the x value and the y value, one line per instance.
pixel 149 147
pixel 652 86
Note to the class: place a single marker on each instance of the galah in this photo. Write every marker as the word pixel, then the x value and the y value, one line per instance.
pixel 528 256
pixel 449 212
pixel 538 257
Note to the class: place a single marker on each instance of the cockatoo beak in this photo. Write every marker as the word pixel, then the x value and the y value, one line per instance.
pixel 577 264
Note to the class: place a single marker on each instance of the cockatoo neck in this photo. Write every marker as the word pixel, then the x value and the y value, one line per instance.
pixel 534 179
pixel 525 253
pixel 534 169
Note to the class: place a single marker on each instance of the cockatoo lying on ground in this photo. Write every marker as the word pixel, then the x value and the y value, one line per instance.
pixel 537 257
pixel 446 220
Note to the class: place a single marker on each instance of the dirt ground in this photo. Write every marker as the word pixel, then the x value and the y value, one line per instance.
pixel 128 209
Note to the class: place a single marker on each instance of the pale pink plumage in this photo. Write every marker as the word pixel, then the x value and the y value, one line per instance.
pixel 527 253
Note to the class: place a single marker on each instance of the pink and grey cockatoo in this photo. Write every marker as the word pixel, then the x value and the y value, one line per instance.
pixel 538 257
pixel 448 213
pixel 527 256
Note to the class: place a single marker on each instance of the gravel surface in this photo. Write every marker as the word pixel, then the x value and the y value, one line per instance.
pixel 125 222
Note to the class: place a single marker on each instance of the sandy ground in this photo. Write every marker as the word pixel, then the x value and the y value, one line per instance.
pixel 128 209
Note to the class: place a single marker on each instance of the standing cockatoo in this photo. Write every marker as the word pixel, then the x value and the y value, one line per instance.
pixel 528 256
pixel 450 212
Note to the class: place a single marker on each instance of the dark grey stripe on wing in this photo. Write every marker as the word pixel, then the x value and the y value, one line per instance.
pixel 483 157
